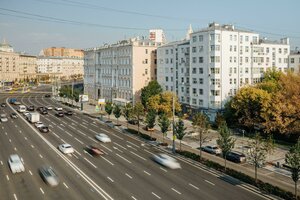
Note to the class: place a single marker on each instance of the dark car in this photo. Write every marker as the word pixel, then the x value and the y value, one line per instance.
pixel 30 108
pixel 44 112
pixel 43 129
pixel 49 176
pixel 68 112
pixel 94 150
pixel 47 95
pixel 59 114
pixel 40 108
pixel 3 104
pixel 14 115
pixel 236 157
pixel 133 121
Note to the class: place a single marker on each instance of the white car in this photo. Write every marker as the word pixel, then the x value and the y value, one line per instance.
pixel 26 114
pixel 3 118
pixel 58 109
pixel 66 148
pixel 49 107
pixel 167 161
pixel 39 124
pixel 15 164
pixel 103 137
pixel 212 149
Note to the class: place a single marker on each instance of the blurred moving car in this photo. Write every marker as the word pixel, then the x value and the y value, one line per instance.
pixel 47 95
pixel 66 148
pixel 212 149
pixel 68 112
pixel 103 137
pixel 49 107
pixel 40 108
pixel 15 164
pixel 166 161
pixel 43 129
pixel 3 118
pixel 59 114
pixel 38 124
pixel 43 111
pixel 13 115
pixel 30 108
pixel 49 175
pixel 236 157
pixel 58 109
pixel 94 150
pixel 3 104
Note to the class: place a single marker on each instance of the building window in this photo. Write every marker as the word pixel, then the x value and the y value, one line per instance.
pixel 194 70
pixel 200 80
pixel 194 80
pixel 194 49
pixel 279 50
pixel 247 38
pixel 234 48
pixel 167 79
pixel 215 92
pixel 267 50
pixel 200 59
pixel 194 91
pixel 194 101
pixel 194 39
pixel 246 70
pixel 200 38
pixel 215 70
pixel 200 70
pixel 246 49
pixel 146 51
pixel 146 61
pixel 200 48
pixel 194 59
pixel 212 59
pixel 200 102
pixel 201 91
pixel 167 51
pixel 292 60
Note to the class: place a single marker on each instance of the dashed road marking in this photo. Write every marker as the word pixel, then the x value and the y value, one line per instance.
pixel 15 148
pixel 32 146
pixel 133 144
pixel 93 131
pixel 1 162
pixel 93 139
pixel 209 182
pixel 25 138
pixel 128 175
pixel 138 155
pixel 65 185
pixel 81 132
pixel 176 191
pixel 147 173
pixel 123 158
pixel 156 195
pixel 110 179
pixel 193 186
pixel 7 177
pixel 108 161
pixel 163 169
pixel 68 133
pixel 15 196
pixel 30 172
pixel 106 147
pixel 41 156
pixel 120 145
pixel 133 198
pixel 78 140
pixel 42 191
pixel 90 163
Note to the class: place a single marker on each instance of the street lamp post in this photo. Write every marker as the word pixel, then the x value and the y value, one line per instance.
pixel 173 102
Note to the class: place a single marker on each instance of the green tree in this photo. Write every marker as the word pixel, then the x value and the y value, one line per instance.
pixel 225 141
pixel 164 124
pixel 117 112
pixel 292 158
pixel 219 120
pixel 200 123
pixel 127 112
pixel 138 113
pixel 108 109
pixel 259 148
pixel 150 119
pixel 153 88
pixel 180 131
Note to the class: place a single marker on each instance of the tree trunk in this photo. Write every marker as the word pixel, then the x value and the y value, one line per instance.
pixel 255 169
pixel 296 189
pixel 163 138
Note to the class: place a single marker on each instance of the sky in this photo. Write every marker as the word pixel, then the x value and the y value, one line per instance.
pixel 32 25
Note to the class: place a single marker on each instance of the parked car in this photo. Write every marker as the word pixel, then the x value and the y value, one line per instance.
pixel 15 164
pixel 58 108
pixel 47 95
pixel 3 104
pixel 43 129
pixel 236 157
pixel 49 175
pixel 30 108
pixel 103 137
pixel 133 121
pixel 166 161
pixel 68 112
pixel 212 149
pixel 3 118
pixel 59 114
pixel 13 115
pixel 66 148
pixel 49 107
pixel 94 150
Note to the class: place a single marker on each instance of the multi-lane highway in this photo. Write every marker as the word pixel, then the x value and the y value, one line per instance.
pixel 126 171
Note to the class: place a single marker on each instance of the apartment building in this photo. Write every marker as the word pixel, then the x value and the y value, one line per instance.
pixel 215 62
pixel 294 62
pixel 62 52
pixel 117 72
pixel 27 66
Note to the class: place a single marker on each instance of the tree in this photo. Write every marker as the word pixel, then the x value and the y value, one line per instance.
pixel 150 119
pixel 153 88
pixel 164 124
pixel 180 131
pixel 259 148
pixel 108 109
pixel 127 112
pixel 138 113
pixel 225 141
pixel 117 112
pixel 201 125
pixel 292 158
pixel 163 103
pixel 219 120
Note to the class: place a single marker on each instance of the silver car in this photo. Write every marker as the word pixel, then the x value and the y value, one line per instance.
pixel 3 118
pixel 166 161
pixel 49 176
pixel 15 164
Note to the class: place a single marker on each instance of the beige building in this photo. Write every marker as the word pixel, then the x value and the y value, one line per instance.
pixel 27 66
pixel 118 72
pixel 62 52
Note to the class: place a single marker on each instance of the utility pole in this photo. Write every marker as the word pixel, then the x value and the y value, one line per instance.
pixel 72 91
pixel 174 135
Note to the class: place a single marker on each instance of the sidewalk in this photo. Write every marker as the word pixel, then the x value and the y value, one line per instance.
pixel 270 174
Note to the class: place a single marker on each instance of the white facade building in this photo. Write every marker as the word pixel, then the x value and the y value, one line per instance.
pixel 294 62
pixel 215 62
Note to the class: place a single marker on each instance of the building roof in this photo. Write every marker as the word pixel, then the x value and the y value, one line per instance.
pixel 225 27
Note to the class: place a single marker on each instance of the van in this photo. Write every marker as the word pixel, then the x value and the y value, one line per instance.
pixel 236 157
pixel 22 108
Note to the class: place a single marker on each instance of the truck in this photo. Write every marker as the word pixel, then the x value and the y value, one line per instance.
pixel 12 100
pixel 33 117
pixel 21 108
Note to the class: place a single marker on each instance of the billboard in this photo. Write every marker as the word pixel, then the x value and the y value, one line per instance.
pixel 101 101
pixel 83 98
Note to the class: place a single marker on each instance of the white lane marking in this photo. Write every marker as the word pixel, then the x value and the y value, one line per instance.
pixel 16 126
pixel 62 125
pixel 94 125
pixel 110 179
pixel 128 175
pixel 64 122
pixel 30 172
pixel 106 147
pixel 108 161
pixel 55 135
pixel 1 162
pixel 87 153
pixel 102 129
pixel 5 132
pixel 193 186
pixel 133 144
pixel 65 185
pixel 42 191
pixel 175 191
pixel 156 195
pixel 133 198
pixel 60 128
pixel 123 158
pixel 138 156
pixel 75 156
pixel 77 152
pixel 163 169
pixel 120 145
pixel 20 131
pixel 78 140
pixel 41 156
pixel 149 152
pixel 32 146
pixel 83 126
pixel 85 121
pixel 81 132
pixel 15 148
pixel 68 133
pixel 93 139
pixel 147 173
pixel 90 163
pixel 116 148
pixel 93 131
pixel 15 196
pixel 25 138
pixel 72 127
pixel 209 182
pixel 9 140
pixel 7 177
